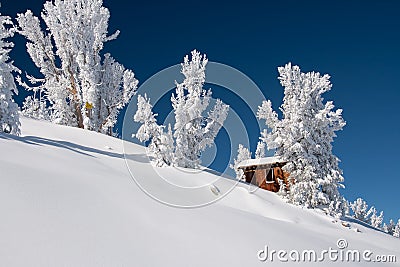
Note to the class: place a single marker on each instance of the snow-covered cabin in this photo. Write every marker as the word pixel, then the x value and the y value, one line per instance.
pixel 265 172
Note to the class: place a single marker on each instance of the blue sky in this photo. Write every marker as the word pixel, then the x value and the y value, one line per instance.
pixel 356 42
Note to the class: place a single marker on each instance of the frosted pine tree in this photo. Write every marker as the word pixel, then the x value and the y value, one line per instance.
pixel 81 89
pixel 303 137
pixel 338 208
pixel 242 154
pixel 213 123
pixel 260 150
pixel 9 118
pixel 117 87
pixel 346 207
pixel 361 211
pixel 161 144
pixel 376 221
pixel 192 132
pixel 35 105
pixel 389 228
pixel 168 150
pixel 396 231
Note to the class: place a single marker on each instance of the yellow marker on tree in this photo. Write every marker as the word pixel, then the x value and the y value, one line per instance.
pixel 88 105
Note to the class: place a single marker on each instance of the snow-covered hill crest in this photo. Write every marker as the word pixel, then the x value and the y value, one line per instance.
pixel 68 199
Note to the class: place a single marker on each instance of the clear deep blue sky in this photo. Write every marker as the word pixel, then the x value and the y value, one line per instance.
pixel 356 42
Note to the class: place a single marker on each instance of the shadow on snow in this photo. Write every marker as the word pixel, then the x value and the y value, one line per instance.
pixel 40 141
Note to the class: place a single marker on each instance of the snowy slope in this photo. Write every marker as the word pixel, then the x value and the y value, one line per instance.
pixel 67 199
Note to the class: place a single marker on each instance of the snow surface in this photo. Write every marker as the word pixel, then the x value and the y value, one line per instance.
pixel 67 199
pixel 260 161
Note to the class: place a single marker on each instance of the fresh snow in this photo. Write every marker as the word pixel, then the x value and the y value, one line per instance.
pixel 66 199
pixel 260 161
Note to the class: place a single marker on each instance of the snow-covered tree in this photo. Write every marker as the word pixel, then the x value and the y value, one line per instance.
pixel 80 87
pixel 9 118
pixel 346 207
pixel 361 211
pixel 303 137
pixel 161 144
pixel 282 188
pixel 376 221
pixel 396 231
pixel 192 132
pixel 243 154
pixel 35 105
pixel 389 228
pixel 260 150
pixel 338 208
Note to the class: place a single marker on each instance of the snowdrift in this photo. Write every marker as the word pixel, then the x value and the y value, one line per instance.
pixel 68 199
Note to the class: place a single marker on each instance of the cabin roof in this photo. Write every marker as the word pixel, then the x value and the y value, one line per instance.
pixel 260 161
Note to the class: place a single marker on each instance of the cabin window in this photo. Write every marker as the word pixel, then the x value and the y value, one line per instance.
pixel 270 176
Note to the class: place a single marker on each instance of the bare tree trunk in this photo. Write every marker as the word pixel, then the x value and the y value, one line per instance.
pixel 75 100
pixel 78 113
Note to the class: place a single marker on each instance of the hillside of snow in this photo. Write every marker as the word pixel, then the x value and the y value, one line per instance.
pixel 67 198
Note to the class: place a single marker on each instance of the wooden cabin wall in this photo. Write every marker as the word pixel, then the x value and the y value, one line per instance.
pixel 282 175
pixel 258 176
pixel 249 176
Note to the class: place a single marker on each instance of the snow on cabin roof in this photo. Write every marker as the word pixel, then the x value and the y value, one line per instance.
pixel 260 161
